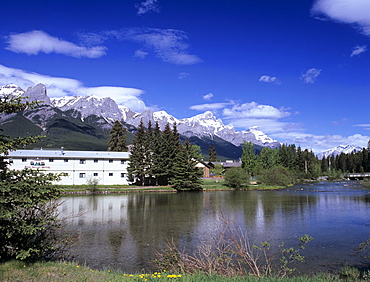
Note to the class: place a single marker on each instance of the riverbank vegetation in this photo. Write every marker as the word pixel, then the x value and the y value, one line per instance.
pixel 70 271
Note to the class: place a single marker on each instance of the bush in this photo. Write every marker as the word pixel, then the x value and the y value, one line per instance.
pixel 278 175
pixel 29 227
pixel 236 177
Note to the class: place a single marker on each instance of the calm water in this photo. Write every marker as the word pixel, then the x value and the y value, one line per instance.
pixel 123 231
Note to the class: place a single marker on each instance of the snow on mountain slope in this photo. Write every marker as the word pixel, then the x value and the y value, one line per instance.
pixel 346 149
pixel 201 125
pixel 89 105
pixel 11 89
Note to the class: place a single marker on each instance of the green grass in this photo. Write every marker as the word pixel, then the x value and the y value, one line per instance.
pixel 208 184
pixel 69 271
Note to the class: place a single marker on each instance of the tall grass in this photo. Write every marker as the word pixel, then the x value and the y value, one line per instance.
pixel 68 271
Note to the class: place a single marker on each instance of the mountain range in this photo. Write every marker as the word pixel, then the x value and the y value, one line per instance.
pixel 84 122
pixel 346 149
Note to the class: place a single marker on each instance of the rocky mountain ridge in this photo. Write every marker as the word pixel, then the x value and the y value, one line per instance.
pixel 346 149
pixel 202 125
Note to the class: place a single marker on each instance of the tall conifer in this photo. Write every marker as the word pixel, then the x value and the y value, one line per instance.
pixel 117 139
pixel 137 165
pixel 186 175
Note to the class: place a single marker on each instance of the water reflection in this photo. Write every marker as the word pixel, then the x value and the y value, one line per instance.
pixel 123 231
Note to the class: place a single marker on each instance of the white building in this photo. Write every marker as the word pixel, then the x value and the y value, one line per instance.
pixel 76 167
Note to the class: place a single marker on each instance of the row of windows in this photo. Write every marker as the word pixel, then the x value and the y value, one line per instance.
pixel 95 174
pixel 82 161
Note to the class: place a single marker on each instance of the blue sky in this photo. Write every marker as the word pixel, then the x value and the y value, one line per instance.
pixel 297 69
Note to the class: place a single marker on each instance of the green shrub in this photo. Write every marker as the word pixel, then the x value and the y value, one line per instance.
pixel 236 177
pixel 278 175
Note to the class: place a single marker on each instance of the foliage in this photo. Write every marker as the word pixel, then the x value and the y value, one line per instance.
pixel 159 158
pixel 186 175
pixel 28 222
pixel 277 175
pixel 93 182
pixel 212 153
pixel 231 253
pixel 236 177
pixel 249 158
pixel 72 271
pixel 117 139
pixel 136 167
pixel 217 170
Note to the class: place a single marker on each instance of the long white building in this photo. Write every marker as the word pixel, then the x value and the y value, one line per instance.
pixel 76 167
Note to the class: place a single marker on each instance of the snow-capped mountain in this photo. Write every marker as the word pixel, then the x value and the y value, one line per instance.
pixel 206 124
pixel 346 149
pixel 11 89
pixel 202 125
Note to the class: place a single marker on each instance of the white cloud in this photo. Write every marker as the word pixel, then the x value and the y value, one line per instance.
pixel 346 11
pixel 254 110
pixel 208 96
pixel 167 44
pixel 269 79
pixel 310 75
pixel 147 6
pixel 358 50
pixel 59 86
pixel 183 75
pixel 36 41
pixel 319 143
pixel 140 54
pixel 211 107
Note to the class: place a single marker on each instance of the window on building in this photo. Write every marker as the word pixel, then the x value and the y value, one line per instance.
pixel 82 175
pixel 96 174
pixel 66 160
pixel 123 175
pixel 110 161
pixel 82 161
pixel 32 162
pixel 64 174
pixel 122 161
pixel 24 160
pixel 95 161
pixel 111 174
pixel 51 160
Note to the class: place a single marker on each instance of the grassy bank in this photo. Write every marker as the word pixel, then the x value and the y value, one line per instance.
pixel 66 271
pixel 209 184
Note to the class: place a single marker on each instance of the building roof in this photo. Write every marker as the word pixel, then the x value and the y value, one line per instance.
pixel 68 154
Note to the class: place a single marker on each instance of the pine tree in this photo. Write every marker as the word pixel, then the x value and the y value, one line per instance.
pixel 249 158
pixel 28 226
pixel 148 144
pixel 157 152
pixel 170 147
pixel 212 153
pixel 137 165
pixel 186 176
pixel 117 140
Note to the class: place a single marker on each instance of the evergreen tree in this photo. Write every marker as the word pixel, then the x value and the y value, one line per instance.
pixel 186 176
pixel 157 147
pixel 28 225
pixel 324 165
pixel 170 147
pixel 212 153
pixel 117 139
pixel 137 165
pixel 268 158
pixel 249 158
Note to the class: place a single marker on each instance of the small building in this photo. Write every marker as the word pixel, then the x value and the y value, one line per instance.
pixel 76 167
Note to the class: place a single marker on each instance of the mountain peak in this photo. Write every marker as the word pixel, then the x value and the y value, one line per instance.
pixel 346 149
